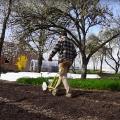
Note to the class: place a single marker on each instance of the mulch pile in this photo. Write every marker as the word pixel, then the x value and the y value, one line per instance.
pixel 26 102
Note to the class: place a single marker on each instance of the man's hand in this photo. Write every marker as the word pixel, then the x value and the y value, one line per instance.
pixel 49 59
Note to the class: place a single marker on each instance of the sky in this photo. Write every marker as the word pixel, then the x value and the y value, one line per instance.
pixel 114 6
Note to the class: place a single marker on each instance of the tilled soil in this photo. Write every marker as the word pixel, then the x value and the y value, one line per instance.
pixel 26 102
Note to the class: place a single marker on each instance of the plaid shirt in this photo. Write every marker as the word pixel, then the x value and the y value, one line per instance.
pixel 65 49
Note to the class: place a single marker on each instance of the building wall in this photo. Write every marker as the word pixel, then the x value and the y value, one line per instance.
pixel 10 55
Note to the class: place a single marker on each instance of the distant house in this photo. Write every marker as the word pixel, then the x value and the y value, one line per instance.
pixel 10 54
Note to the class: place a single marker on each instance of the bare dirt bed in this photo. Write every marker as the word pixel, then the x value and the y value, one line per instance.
pixel 26 102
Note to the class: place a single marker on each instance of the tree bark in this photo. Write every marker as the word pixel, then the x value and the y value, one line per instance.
pixel 117 69
pixel 84 68
pixel 40 59
pixel 4 30
pixel 101 64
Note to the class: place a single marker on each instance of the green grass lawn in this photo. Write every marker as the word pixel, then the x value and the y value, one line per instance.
pixel 32 81
pixel 111 82
pixel 100 84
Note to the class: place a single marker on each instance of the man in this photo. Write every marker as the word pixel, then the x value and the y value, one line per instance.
pixel 67 53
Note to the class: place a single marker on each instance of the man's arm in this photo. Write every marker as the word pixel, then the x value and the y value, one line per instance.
pixel 55 50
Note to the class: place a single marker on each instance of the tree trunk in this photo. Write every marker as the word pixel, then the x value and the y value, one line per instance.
pixel 117 69
pixel 93 65
pixel 94 68
pixel 101 64
pixel 4 30
pixel 40 59
pixel 84 68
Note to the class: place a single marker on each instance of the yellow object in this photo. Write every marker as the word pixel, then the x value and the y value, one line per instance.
pixel 21 63
pixel 53 84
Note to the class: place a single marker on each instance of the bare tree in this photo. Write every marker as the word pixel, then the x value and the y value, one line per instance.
pixel 102 52
pixel 111 51
pixel 92 42
pixel 113 55
pixel 4 26
pixel 102 55
pixel 41 44
pixel 28 34
pixel 35 41
pixel 76 17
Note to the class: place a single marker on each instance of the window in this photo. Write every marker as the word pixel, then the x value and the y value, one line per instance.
pixel 6 60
